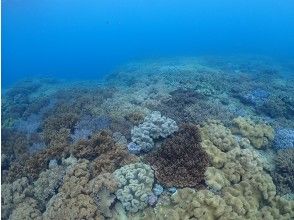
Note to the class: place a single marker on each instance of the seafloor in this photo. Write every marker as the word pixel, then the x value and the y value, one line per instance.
pixel 184 138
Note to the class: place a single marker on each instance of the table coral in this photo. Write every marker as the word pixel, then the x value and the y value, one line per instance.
pixel 153 127
pixel 180 161
pixel 259 134
pixel 135 184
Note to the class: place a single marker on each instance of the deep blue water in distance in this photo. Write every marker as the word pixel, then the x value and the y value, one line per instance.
pixel 85 39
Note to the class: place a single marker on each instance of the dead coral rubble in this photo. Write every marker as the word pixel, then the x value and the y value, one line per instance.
pixel 180 161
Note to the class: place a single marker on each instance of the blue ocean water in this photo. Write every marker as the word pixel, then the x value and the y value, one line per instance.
pixel 86 39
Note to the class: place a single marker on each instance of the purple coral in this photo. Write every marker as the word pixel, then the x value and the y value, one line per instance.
pixel 88 125
pixel 284 138
pixel 256 97
pixel 152 199
pixel 134 148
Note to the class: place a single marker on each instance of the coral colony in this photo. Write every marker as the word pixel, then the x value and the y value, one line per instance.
pixel 191 138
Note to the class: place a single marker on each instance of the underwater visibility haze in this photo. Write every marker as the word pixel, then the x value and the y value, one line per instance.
pixel 142 110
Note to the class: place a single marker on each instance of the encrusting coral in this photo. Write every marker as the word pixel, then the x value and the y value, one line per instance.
pixel 153 127
pixel 259 134
pixel 135 184
pixel 180 161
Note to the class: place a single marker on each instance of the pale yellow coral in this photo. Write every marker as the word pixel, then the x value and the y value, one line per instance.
pixel 82 198
pixel 259 134
pixel 219 135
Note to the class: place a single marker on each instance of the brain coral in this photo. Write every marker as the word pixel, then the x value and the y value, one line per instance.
pixel 135 184
pixel 180 161
pixel 153 127
pixel 260 134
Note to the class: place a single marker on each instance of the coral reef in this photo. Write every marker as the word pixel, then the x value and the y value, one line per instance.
pixel 13 194
pixel 89 125
pixel 284 138
pixel 153 127
pixel 260 135
pixel 283 175
pixel 135 184
pixel 180 161
pixel 47 184
pixel 74 150
pixel 80 197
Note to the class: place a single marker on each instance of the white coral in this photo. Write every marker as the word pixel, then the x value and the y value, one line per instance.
pixel 135 184
pixel 153 127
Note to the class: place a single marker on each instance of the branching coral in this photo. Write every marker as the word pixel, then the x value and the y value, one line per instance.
pixel 32 166
pixel 283 175
pixel 55 123
pixel 153 127
pixel 259 134
pixel 112 160
pixel 13 143
pixel 135 184
pixel 97 145
pixel 180 161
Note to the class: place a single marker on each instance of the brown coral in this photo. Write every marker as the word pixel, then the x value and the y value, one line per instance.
pixel 112 160
pixel 56 124
pixel 180 161
pixel 82 198
pixel 32 166
pixel 283 175
pixel 97 145
pixel 13 143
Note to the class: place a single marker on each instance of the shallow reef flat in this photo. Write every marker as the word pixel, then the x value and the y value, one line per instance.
pixel 181 138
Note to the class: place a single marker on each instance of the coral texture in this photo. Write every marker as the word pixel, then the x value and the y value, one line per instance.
pixel 283 175
pixel 82 198
pixel 260 134
pixel 180 161
pixel 284 138
pixel 135 184
pixel 153 127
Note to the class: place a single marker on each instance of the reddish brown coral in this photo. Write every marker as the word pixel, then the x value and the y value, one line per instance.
pixel 180 161
pixel 56 124
pixel 97 145
pixel 283 174
pixel 32 166
pixel 109 156
pixel 112 160
pixel 13 143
